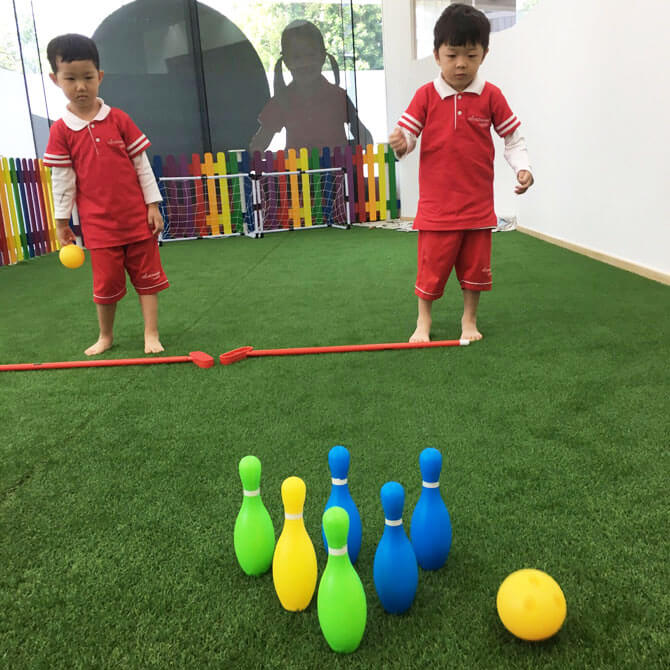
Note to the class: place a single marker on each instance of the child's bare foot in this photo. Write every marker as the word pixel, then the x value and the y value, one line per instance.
pixel 101 345
pixel 422 332
pixel 423 322
pixel 152 344
pixel 469 331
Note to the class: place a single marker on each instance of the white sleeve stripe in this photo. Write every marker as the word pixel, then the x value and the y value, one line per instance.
pixel 413 129
pixel 57 156
pixel 403 123
pixel 139 149
pixel 410 131
pixel 139 140
pixel 49 161
pixel 501 128
pixel 409 117
pixel 506 131
pixel 410 120
pixel 506 121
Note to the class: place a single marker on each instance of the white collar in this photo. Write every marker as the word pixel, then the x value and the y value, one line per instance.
pixel 73 122
pixel 444 90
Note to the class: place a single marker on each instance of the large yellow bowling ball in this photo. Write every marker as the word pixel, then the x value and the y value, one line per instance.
pixel 71 256
pixel 531 604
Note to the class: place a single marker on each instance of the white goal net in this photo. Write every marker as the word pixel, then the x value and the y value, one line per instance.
pixel 296 200
pixel 253 204
pixel 207 206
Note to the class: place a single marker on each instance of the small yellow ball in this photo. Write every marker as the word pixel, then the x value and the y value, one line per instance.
pixel 531 605
pixel 71 256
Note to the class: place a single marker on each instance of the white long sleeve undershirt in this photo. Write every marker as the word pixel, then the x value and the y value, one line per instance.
pixel 516 151
pixel 64 185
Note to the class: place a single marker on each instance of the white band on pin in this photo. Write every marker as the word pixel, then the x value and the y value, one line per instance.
pixel 257 492
pixel 393 522
pixel 431 485
pixel 338 482
pixel 293 517
pixel 338 552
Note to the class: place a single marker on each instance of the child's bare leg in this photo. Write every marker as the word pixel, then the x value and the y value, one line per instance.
pixel 423 322
pixel 149 304
pixel 469 321
pixel 106 322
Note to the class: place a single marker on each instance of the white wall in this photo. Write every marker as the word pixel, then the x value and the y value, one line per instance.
pixel 591 85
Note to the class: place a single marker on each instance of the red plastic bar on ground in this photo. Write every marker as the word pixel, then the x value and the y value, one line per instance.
pixel 339 349
pixel 201 359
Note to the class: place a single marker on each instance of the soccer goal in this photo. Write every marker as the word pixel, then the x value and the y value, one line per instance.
pixel 301 199
pixel 254 203
pixel 208 206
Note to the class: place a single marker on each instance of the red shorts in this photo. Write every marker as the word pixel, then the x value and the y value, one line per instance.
pixel 469 251
pixel 143 263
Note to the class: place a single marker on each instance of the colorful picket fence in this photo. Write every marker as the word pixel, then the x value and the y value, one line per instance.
pixel 27 226
pixel 221 207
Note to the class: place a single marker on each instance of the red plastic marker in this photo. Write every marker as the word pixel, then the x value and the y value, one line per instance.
pixel 200 358
pixel 249 352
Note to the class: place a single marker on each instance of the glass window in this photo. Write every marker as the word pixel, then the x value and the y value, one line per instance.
pixel 195 76
pixel 352 37
pixel 16 134
pixel 147 56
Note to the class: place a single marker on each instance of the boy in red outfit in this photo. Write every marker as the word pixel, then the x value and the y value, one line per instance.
pixel 455 217
pixel 97 156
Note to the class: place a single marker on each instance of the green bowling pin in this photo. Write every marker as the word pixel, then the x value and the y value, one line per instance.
pixel 341 604
pixel 254 535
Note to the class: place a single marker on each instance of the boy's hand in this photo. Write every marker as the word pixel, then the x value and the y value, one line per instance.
pixel 154 218
pixel 64 233
pixel 525 180
pixel 398 142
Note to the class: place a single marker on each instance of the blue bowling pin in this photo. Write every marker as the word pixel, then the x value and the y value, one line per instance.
pixel 395 571
pixel 430 528
pixel 338 460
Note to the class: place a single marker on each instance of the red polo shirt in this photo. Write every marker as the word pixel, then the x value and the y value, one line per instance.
pixel 456 162
pixel 109 198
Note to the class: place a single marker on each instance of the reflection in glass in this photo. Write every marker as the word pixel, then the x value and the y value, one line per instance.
pixel 16 132
pixel 151 70
pixel 313 111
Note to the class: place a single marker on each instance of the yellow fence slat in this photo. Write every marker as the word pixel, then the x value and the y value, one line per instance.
pixel 221 168
pixel 294 209
pixel 381 170
pixel 213 218
pixel 306 196
pixel 4 205
pixel 369 160
pixel 47 193
pixel 13 217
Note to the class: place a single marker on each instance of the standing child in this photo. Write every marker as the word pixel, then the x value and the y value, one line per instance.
pixel 455 217
pixel 97 155
pixel 313 111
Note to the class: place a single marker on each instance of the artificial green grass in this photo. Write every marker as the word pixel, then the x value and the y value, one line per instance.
pixel 119 486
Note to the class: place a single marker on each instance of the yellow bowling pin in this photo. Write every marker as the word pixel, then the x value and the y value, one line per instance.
pixel 294 561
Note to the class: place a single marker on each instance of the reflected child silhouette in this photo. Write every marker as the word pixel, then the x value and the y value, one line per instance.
pixel 313 111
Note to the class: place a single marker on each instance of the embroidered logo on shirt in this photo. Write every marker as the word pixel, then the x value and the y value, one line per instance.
pixel 112 141
pixel 480 121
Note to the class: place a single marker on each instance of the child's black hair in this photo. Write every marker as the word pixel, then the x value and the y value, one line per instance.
pixel 309 32
pixel 460 25
pixel 72 47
